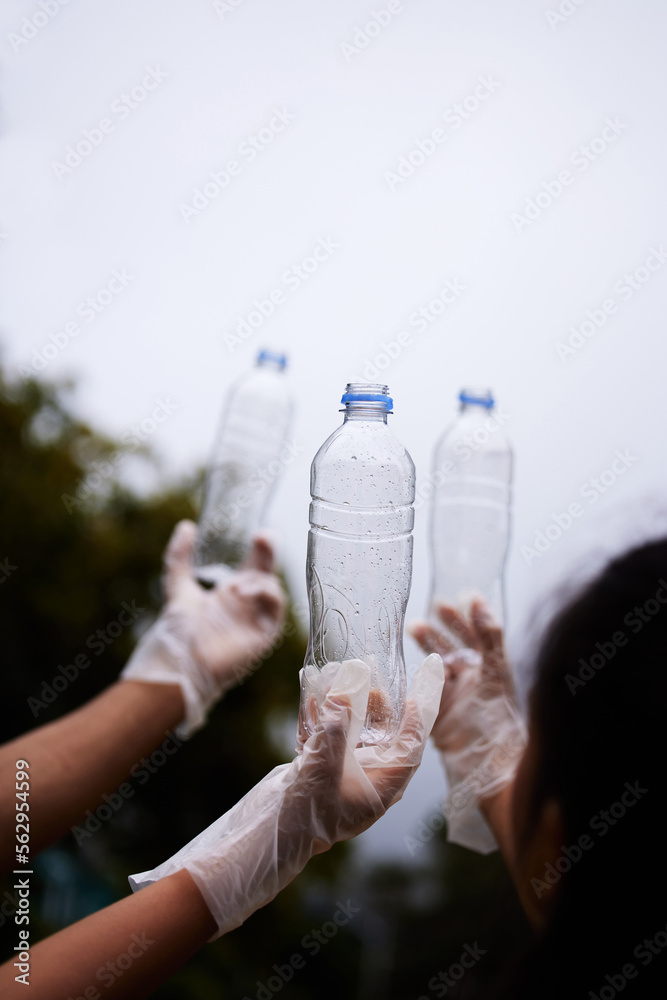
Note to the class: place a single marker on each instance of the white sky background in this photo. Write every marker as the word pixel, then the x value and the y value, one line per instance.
pixel 324 175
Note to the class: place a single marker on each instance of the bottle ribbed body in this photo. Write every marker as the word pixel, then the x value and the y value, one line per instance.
pixel 359 564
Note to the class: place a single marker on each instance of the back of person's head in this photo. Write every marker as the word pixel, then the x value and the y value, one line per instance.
pixel 598 721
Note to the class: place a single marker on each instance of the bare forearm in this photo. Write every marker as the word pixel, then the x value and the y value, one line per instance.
pixel 126 950
pixel 78 758
pixel 497 811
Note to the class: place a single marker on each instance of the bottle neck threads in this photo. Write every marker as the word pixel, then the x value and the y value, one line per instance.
pixel 367 401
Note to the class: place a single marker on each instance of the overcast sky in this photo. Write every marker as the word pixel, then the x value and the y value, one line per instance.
pixel 167 165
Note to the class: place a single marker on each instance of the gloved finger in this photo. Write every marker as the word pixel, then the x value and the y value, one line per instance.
pixel 456 623
pixel 487 630
pixel 352 681
pixel 262 593
pixel 308 715
pixel 178 558
pixel 421 711
pixel 432 640
pixel 261 556
pixel 379 713
pixel 399 762
pixel 426 690
pixel 349 680
pixel 316 681
pixel 324 751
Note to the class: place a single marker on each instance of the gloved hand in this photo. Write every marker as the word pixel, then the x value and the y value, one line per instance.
pixel 208 640
pixel 331 791
pixel 479 730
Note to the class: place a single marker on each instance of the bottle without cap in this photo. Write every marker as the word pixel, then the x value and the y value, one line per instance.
pixel 359 564
pixel 244 468
pixel 470 512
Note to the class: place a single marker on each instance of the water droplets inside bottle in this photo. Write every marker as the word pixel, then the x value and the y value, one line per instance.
pixel 359 563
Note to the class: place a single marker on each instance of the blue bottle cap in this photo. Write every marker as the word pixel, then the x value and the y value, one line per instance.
pixel 480 397
pixel 277 359
pixel 361 396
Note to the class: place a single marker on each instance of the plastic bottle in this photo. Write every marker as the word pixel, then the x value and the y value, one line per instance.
pixel 244 467
pixel 470 513
pixel 359 565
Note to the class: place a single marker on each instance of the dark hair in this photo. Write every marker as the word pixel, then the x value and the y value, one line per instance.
pixel 598 718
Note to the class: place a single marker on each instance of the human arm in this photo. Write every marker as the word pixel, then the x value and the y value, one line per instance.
pixel 497 811
pixel 330 792
pixel 203 642
pixel 125 950
pixel 77 759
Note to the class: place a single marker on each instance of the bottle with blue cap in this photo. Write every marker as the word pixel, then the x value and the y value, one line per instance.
pixel 359 565
pixel 471 507
pixel 244 468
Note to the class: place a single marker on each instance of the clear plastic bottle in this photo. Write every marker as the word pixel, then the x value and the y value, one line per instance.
pixel 359 566
pixel 470 513
pixel 244 467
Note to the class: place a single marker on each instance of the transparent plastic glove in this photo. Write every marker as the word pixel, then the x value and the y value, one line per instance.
pixel 331 791
pixel 479 732
pixel 208 640
pixel 317 681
